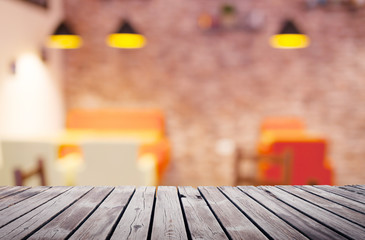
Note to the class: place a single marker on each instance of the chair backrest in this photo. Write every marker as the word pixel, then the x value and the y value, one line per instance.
pixel 18 154
pixel 115 119
pixel 282 123
pixel 113 163
pixel 275 169
pixel 22 175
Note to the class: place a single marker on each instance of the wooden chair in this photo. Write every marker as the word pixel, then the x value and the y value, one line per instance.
pixel 283 160
pixel 21 176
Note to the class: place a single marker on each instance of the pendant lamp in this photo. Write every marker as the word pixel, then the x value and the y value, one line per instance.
pixel 289 37
pixel 64 38
pixel 126 37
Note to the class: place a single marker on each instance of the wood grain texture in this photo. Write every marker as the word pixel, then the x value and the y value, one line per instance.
pixel 168 222
pixel 360 186
pixel 246 212
pixel 64 224
pixel 308 226
pixel 342 192
pixel 335 198
pixel 354 189
pixel 3 187
pixel 32 221
pixel 20 196
pixel 16 211
pixel 234 221
pixel 100 224
pixel 268 222
pixel 349 214
pixel 329 219
pixel 12 190
pixel 135 221
pixel 201 222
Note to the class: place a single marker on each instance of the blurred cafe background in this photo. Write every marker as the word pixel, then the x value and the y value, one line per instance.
pixel 170 92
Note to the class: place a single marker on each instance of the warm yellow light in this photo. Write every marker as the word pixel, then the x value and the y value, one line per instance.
pixel 289 41
pixel 64 41
pixel 126 40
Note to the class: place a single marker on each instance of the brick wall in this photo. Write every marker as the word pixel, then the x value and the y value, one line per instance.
pixel 218 85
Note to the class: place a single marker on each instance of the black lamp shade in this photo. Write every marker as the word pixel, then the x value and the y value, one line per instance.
pixel 289 28
pixel 126 28
pixel 63 29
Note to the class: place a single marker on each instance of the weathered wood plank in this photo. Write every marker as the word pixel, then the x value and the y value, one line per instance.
pixel 236 224
pixel 65 223
pixel 349 214
pixel 266 220
pixel 100 224
pixel 16 211
pixel 201 222
pixel 353 189
pixel 12 190
pixel 360 186
pixel 2 188
pixel 342 192
pixel 16 198
pixel 249 213
pixel 168 222
pixel 308 226
pixel 335 198
pixel 135 221
pixel 329 219
pixel 32 221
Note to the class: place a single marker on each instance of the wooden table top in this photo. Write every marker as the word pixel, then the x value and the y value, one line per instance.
pixel 265 212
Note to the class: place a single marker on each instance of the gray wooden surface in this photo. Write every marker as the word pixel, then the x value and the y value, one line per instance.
pixel 126 212
pixel 200 220
pixel 343 192
pixel 135 222
pixel 354 189
pixel 349 214
pixel 325 217
pixel 335 198
pixel 265 220
pixel 101 223
pixel 236 224
pixel 69 220
pixel 8 191
pixel 20 196
pixel 303 223
pixel 168 217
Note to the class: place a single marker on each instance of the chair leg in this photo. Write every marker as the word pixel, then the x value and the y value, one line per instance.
pixel 21 176
pixel 287 159
pixel 42 172
pixel 18 177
